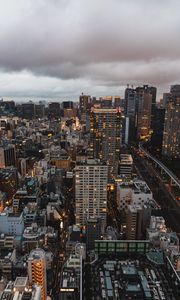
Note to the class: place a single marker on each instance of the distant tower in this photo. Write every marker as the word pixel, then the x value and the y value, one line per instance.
pixel 37 270
pixel 105 137
pixel 171 135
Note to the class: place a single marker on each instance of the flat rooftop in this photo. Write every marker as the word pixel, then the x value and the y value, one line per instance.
pixel 115 277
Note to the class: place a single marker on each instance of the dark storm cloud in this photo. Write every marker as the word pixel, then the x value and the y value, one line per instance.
pixel 102 42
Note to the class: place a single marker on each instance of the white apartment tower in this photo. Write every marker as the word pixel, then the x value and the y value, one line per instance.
pixel 91 191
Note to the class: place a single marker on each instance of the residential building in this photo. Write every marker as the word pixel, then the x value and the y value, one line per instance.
pixel 37 270
pixel 91 191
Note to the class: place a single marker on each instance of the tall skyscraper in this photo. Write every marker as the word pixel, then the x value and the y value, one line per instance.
pixel 84 102
pixel 37 270
pixel 140 106
pixel 84 109
pixel 39 110
pixel 158 128
pixel 28 110
pixel 54 110
pixel 91 191
pixel 171 135
pixel 144 111
pixel 105 137
pixel 131 115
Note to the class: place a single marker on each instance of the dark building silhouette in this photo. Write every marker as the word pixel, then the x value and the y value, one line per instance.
pixel 54 110
pixel 93 232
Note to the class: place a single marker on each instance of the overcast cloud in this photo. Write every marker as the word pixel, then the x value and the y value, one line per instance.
pixel 65 47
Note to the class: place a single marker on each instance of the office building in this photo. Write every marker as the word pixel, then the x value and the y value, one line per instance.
pixel 125 165
pixel 171 135
pixel 28 110
pixel 37 270
pixel 166 97
pixel 54 110
pixel 91 191
pixel 84 103
pixel 7 156
pixel 67 105
pixel 39 110
pixel 93 232
pixel 106 102
pixel 158 128
pixel 175 90
pixel 105 137
pixel 137 221
pixel 84 109
pixel 144 112
pixel 11 224
pixel 153 92
pixel 117 101
pixel 131 115
pixel 140 104
pixel 133 192
pixel 7 107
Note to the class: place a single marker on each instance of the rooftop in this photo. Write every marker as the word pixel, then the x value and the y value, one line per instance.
pixel 116 277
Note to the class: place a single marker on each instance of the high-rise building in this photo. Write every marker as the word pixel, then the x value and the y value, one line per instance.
pixel 7 107
pixel 117 101
pixel 91 191
pixel 153 92
pixel 28 110
pixel 69 109
pixel 131 115
pixel 125 165
pixel 84 109
pixel 144 111
pixel 39 110
pixel 140 106
pixel 37 270
pixel 158 128
pixel 105 137
pixel 171 135
pixel 67 105
pixel 106 102
pixel 7 156
pixel 175 90
pixel 84 102
pixel 54 110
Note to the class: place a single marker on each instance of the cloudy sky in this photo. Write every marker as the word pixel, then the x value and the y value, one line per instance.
pixel 60 48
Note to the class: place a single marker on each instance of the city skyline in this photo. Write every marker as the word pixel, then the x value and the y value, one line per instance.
pixel 62 48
